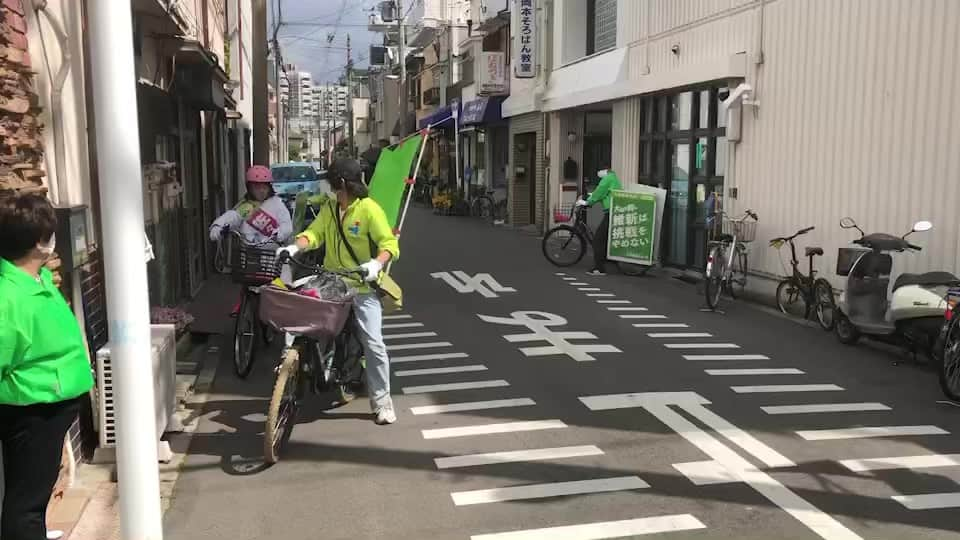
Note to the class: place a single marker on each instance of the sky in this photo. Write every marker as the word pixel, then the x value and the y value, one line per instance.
pixel 307 46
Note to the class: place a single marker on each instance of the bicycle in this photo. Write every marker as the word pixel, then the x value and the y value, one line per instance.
pixel 253 267
pixel 322 350
pixel 724 270
pixel 483 205
pixel 816 293
pixel 565 245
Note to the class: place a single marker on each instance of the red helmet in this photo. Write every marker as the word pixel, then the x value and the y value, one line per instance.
pixel 258 174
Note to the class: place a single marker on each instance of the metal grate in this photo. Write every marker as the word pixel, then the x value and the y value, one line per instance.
pixel 107 412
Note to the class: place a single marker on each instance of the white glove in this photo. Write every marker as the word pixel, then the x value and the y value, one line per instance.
pixel 373 268
pixel 581 202
pixel 290 250
pixel 214 233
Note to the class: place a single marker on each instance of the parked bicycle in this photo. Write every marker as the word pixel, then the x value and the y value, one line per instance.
pixel 815 293
pixel 482 205
pixel 253 266
pixel 727 259
pixel 322 351
pixel 566 244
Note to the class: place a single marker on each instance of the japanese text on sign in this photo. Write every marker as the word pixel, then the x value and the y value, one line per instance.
pixel 632 227
pixel 525 51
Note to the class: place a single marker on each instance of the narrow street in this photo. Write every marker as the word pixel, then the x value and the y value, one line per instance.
pixel 537 403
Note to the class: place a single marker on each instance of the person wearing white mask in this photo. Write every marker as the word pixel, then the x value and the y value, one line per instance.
pixel 609 182
pixel 44 366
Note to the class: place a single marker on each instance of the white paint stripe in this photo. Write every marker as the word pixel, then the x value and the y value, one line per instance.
pixel 671 335
pixel 440 371
pixel 778 388
pixel 402 325
pixel 769 456
pixel 539 454
pixel 560 274
pixel 578 283
pixel 490 429
pixel 408 346
pixel 423 357
pixel 867 432
pixel 601 295
pixel 815 519
pixel 825 408
pixel 661 325
pixel 540 491
pixel 701 345
pixel 396 317
pixel 705 473
pixel 613 301
pixel 930 501
pixel 902 462
pixel 643 316
pixel 472 406
pixel 568 278
pixel 725 357
pixel 589 289
pixel 408 336
pixel 603 530
pixel 784 371
pixel 454 386
pixel 627 308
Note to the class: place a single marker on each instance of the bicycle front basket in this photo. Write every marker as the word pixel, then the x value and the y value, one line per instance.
pixel 254 265
pixel 745 231
pixel 288 311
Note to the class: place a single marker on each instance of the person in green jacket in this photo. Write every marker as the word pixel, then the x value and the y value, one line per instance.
pixel 609 182
pixel 363 225
pixel 44 367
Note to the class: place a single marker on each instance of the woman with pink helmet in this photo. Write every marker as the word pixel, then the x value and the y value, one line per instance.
pixel 261 216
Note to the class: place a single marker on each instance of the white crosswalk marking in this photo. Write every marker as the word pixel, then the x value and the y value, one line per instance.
pixel 627 309
pixel 454 386
pixel 409 346
pixel 701 345
pixel 402 325
pixel 589 289
pixel 902 462
pixel 930 501
pixel 396 317
pixel 777 388
pixel 540 491
pixel 674 335
pixel 440 371
pixel 472 406
pixel 825 408
pixel 603 530
pixel 410 336
pixel 643 316
pixel 661 325
pixel 706 473
pixel 725 357
pixel 761 371
pixel 601 295
pixel 868 432
pixel 490 429
pixel 539 454
pixel 424 357
pixel 613 301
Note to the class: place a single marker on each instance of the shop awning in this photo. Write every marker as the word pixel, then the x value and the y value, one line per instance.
pixel 592 80
pixel 441 118
pixel 482 110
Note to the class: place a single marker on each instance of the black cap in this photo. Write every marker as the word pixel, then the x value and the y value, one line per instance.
pixel 346 168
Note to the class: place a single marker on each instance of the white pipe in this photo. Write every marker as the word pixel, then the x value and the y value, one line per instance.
pixel 56 101
pixel 128 307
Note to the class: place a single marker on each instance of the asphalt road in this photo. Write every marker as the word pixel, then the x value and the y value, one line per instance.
pixel 814 441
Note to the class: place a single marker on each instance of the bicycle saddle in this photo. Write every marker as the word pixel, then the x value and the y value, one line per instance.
pixel 813 251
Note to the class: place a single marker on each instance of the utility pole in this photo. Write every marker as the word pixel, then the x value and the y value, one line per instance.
pixel 353 146
pixel 277 67
pixel 128 302
pixel 404 99
pixel 261 127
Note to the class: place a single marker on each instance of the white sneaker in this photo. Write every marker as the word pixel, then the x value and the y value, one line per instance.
pixel 53 534
pixel 386 415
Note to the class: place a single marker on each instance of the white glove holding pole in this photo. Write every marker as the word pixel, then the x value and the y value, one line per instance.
pixel 372 269
pixel 581 202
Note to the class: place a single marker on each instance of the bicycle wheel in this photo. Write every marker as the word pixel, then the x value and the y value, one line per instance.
pixel 950 368
pixel 348 359
pixel 246 334
pixel 716 270
pixel 825 306
pixel 284 405
pixel 564 246
pixel 482 208
pixel 632 269
pixel 738 275
pixel 790 298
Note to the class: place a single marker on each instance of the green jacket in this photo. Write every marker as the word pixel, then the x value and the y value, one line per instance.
pixel 43 358
pixel 365 227
pixel 607 184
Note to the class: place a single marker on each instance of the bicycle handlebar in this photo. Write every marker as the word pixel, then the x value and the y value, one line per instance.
pixel 318 270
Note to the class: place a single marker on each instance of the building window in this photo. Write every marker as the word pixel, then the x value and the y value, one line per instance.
pixel 601 25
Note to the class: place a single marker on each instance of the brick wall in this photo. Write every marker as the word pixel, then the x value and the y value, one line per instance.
pixel 519 193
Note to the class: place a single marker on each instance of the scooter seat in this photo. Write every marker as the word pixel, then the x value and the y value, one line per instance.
pixel 812 251
pixel 928 278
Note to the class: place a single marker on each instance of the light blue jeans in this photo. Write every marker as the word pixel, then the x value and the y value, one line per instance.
pixel 369 313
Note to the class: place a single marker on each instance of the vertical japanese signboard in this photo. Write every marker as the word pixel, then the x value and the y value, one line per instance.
pixel 633 223
pixel 493 76
pixel 525 49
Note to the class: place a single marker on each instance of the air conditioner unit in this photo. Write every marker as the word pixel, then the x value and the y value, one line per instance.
pixel 164 361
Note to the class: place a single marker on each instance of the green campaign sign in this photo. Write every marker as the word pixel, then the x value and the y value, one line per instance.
pixel 633 221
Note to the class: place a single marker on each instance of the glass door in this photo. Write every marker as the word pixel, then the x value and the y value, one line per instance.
pixel 679 202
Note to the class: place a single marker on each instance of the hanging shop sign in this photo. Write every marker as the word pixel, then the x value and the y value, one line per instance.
pixel 525 51
pixel 493 75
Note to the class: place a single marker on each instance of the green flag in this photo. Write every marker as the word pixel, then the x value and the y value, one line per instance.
pixel 389 178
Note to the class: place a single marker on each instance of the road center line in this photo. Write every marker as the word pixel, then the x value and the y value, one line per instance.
pixel 472 406
pixel 540 491
pixel 539 454
pixel 491 429
pixel 603 530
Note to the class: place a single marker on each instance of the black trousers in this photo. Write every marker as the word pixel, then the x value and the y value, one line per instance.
pixel 600 243
pixel 32 439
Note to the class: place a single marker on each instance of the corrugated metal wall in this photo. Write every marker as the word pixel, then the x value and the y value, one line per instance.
pixel 518 194
pixel 858 116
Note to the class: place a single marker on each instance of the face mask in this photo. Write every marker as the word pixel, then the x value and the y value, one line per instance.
pixel 48 248
pixel 602 172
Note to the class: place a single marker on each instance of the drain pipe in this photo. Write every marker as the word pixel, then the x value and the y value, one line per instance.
pixel 56 100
